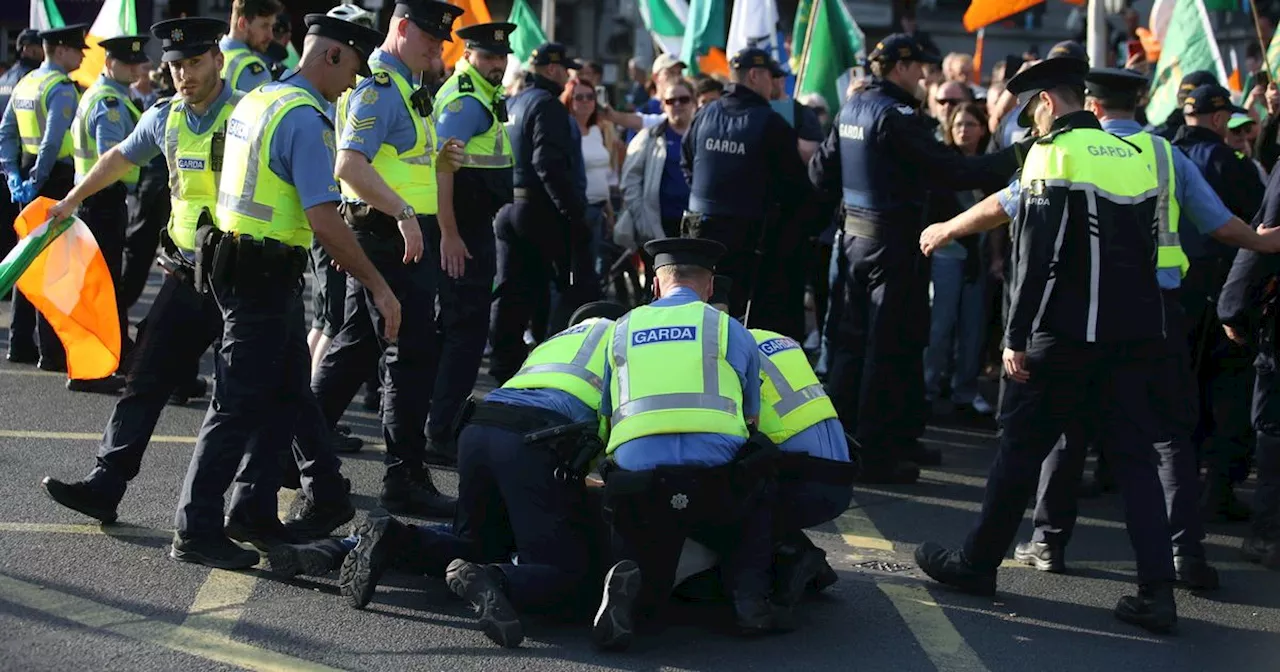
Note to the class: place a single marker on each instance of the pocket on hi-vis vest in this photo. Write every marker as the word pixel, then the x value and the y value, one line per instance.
pixel 663 335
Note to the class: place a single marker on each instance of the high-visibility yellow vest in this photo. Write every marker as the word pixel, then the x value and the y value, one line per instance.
pixel 30 103
pixel 252 199
pixel 195 162
pixel 236 61
pixel 791 398
pixel 670 375
pixel 491 149
pixel 572 361
pixel 85 144
pixel 412 174
pixel 1169 246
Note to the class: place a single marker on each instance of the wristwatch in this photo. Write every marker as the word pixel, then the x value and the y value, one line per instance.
pixel 407 213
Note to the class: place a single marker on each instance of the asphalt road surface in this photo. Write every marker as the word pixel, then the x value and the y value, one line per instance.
pixel 77 596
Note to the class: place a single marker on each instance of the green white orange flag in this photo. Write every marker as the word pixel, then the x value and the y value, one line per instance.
pixel 45 15
pixel 60 269
pixel 1188 45
pixel 117 17
pixel 473 12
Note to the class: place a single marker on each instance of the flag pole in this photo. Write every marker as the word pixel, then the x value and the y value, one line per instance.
pixel 1253 5
pixel 808 42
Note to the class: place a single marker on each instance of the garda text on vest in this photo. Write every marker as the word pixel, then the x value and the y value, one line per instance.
pixel 776 345
pixel 663 335
pixel 852 132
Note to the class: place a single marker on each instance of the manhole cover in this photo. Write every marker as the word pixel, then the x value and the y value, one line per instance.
pixel 881 566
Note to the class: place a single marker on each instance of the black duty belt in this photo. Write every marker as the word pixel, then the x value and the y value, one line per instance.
pixel 574 445
pixel 805 467
pixel 864 228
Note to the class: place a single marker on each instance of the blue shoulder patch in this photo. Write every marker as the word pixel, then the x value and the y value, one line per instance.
pixel 775 345
pixel 663 335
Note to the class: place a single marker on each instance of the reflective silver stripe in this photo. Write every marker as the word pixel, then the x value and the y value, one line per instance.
pixel 486 160
pixel 790 399
pixel 708 399
pixel 1095 265
pixel 1163 236
pixel 1099 191
pixel 1053 278
pixel 234 65
pixel 497 141
pixel 171 149
pixel 245 205
pixel 84 154
pixel 578 367
pixel 26 139
pixel 424 160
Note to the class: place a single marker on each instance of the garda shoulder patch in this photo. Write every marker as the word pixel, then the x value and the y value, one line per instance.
pixel 465 84
pixel 113 115
pixel 905 109
pixel 455 106
pixel 663 335
pixel 111 101
pixel 256 69
pixel 369 96
pixel 775 345
pixel 381 79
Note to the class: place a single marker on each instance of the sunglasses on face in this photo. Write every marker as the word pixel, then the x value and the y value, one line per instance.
pixel 678 100
pixel 949 101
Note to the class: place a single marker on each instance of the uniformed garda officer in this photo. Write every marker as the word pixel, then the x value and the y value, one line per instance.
pixel 244 66
pixel 682 394
pixel 35 155
pixel 1176 119
pixel 30 54
pixel 1085 329
pixel 471 109
pixel 387 162
pixel 543 236
pixel 521 462
pixel 275 190
pixel 742 164
pixel 881 159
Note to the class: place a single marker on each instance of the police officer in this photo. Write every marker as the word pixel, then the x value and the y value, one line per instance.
pixel 243 49
pixel 880 159
pixel 515 491
pixel 471 109
pixel 35 155
pixel 542 237
pixel 30 54
pixel 275 190
pixel 680 367
pixel 388 165
pixel 1176 119
pixel 1085 330
pixel 743 167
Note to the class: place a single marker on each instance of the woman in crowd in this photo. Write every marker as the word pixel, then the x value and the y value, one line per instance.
pixel 598 139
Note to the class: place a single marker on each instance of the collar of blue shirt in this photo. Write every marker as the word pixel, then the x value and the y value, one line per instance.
pixel 292 78
pixel 50 65
pixel 1121 127
pixel 228 43
pixel 384 60
pixel 677 297
pixel 121 89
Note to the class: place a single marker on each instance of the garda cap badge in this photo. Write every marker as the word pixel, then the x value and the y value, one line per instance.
pixel 176 35
pixel 499 35
pixel 137 46
pixel 679 501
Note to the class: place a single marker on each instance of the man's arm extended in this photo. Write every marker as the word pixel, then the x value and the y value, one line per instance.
pixel 987 215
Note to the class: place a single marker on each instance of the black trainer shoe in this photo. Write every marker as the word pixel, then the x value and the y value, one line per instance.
pixel 23 355
pixel 951 568
pixel 364 565
pixel 78 496
pixel 477 585
pixel 791 578
pixel 343 444
pixel 218 552
pixel 416 499
pixel 317 521
pixel 754 615
pixel 1194 573
pixel 109 385
pixel 54 365
pixel 614 623
pixel 1152 609
pixel 262 535
pixel 315 558
pixel 442 452
pixel 1042 556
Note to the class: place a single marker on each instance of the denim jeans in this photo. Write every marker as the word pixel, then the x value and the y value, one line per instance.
pixel 956 332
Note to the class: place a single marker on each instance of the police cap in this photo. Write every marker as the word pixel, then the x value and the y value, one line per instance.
pixel 127 48
pixel 721 289
pixel 494 38
pixel 1047 74
pixel 434 18
pixel 1208 99
pixel 363 40
pixel 1068 49
pixel 553 53
pixel 685 251
pixel 28 37
pixel 67 36
pixel 755 58
pixel 902 47
pixel 1195 80
pixel 184 38
pixel 1107 82
pixel 609 310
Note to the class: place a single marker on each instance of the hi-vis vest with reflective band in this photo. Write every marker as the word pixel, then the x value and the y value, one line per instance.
pixel 491 149
pixel 670 375
pixel 572 361
pixel 791 398
pixel 193 169
pixel 30 104
pixel 86 153
pixel 236 61
pixel 412 174
pixel 252 199
pixel 1169 254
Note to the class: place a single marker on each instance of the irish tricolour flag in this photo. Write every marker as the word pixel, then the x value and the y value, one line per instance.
pixel 59 268
pixel 117 17
pixel 665 20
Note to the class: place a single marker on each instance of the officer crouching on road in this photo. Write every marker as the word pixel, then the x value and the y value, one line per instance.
pixel 276 190
pixel 683 391
pixel 1085 331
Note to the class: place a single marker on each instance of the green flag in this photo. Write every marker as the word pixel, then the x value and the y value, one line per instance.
pixel 705 30
pixel 26 251
pixel 1188 46
pixel 45 15
pixel 528 33
pixel 826 50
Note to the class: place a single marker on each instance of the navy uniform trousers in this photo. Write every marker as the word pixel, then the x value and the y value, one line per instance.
pixel 1266 420
pixel 1068 380
pixel 149 210
pixel 27 327
pixel 1173 397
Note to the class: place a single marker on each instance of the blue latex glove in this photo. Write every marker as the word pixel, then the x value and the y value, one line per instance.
pixel 15 185
pixel 28 192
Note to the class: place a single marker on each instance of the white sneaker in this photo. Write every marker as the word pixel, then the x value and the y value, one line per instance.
pixel 528 338
pixel 982 406
pixel 813 341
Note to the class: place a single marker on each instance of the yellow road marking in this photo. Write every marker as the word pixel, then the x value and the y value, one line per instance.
pixel 181 638
pixel 81 436
pixel 220 602
pixel 110 530
pixel 940 640
pixel 860 532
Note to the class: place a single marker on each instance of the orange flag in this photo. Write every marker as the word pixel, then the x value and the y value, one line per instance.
pixel 982 13
pixel 475 11
pixel 70 285
pixel 714 63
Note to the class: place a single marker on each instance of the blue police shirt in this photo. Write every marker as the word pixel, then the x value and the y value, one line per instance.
pixel 296 157
pixel 697 449
pixel 10 79
pixel 248 80
pixel 469 119
pixel 61 103
pixel 825 440
pixel 110 130
pixel 557 401
pixel 1197 202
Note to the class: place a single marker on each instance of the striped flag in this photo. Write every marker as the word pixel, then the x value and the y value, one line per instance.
pixel 117 17
pixel 826 45
pixel 60 269
pixel 45 15
pixel 704 38
pixel 1189 45
pixel 665 21
pixel 474 12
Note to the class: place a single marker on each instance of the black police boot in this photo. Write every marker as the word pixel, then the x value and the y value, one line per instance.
pixel 262 535
pixel 951 568
pixel 372 400
pixel 614 623
pixel 1194 573
pixel 218 552
pixel 314 558
pixel 51 364
pixel 79 496
pixel 109 385
pixel 442 452
pixel 319 520
pixel 1261 551
pixel 406 497
pixel 1044 557
pixel 1152 609
pixel 483 587
pixel 826 578
pixel 898 473
pixel 23 355
pixel 792 576
pixel 195 388
pixel 754 615
pixel 380 534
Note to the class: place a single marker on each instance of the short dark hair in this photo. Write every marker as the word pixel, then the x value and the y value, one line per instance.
pixel 252 9
pixel 707 85
pixel 1126 101
pixel 1071 93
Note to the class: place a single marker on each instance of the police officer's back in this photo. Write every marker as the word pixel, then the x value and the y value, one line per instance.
pixel 30 54
pixel 1168 129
